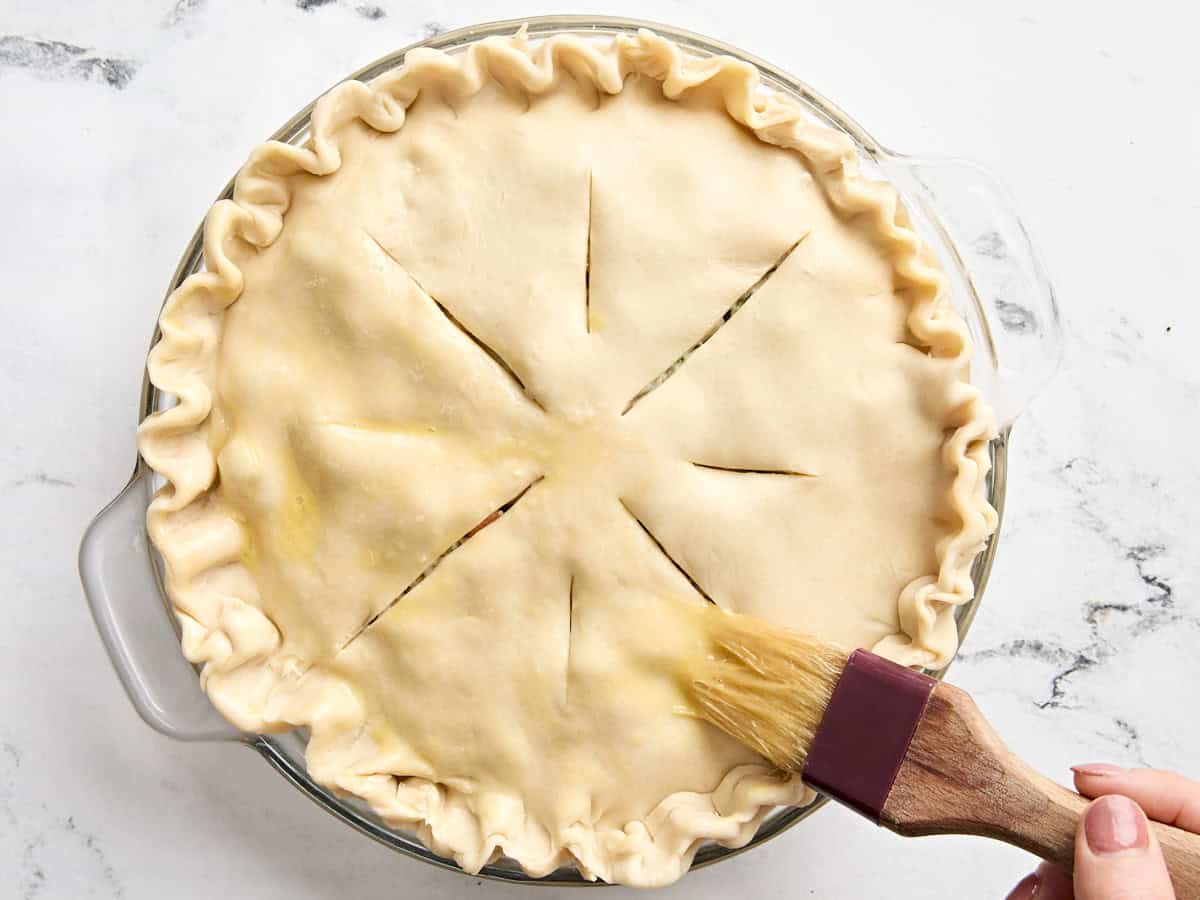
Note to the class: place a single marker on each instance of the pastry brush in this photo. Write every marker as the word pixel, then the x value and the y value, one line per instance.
pixel 912 754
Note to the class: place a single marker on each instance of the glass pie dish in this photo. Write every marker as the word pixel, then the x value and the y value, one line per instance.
pixel 996 283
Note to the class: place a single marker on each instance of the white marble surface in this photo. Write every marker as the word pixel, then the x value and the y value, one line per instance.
pixel 115 141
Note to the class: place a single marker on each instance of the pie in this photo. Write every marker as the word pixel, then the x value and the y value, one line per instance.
pixel 527 355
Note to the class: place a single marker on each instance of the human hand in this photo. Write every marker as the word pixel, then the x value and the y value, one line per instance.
pixel 1116 854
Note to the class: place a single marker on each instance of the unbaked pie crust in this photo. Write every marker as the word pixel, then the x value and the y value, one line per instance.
pixel 528 354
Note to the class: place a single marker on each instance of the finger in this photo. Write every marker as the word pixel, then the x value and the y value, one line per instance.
pixel 1027 888
pixel 1116 855
pixel 1165 796
pixel 1047 882
pixel 1055 883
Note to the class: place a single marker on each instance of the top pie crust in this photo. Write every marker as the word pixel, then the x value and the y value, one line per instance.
pixel 470 292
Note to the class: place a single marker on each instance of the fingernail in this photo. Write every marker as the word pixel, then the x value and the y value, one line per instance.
pixel 1027 888
pixel 1115 823
pixel 1097 769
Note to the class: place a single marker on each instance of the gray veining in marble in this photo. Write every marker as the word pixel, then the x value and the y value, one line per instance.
pixel 58 59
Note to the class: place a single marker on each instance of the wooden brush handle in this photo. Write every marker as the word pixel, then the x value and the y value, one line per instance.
pixel 958 778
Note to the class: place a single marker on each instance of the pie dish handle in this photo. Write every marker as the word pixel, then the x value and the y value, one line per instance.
pixel 123 592
pixel 1015 320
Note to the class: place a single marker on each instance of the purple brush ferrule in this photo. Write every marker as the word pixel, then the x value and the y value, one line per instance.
pixel 864 736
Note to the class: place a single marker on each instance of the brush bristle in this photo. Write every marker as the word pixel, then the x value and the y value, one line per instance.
pixel 765 686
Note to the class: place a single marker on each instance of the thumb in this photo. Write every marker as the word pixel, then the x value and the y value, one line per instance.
pixel 1117 856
